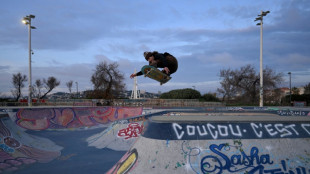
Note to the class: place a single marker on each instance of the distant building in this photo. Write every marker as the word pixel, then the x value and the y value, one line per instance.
pixel 301 90
pixel 284 91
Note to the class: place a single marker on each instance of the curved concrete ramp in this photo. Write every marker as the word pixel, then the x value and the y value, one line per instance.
pixel 251 143
pixel 65 139
pixel 175 140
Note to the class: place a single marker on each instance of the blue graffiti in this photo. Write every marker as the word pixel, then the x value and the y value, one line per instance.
pixel 251 164
pixel 190 152
pixel 167 143
pixel 6 148
pixel 234 161
pixel 299 170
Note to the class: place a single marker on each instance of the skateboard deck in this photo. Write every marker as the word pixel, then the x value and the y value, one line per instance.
pixel 155 74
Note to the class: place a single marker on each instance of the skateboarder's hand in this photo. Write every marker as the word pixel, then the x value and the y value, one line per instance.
pixel 167 70
pixel 133 75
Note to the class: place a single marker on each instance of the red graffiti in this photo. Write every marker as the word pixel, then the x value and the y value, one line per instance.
pixel 132 130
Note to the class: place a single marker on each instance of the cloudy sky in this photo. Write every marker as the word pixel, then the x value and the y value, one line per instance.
pixel 73 36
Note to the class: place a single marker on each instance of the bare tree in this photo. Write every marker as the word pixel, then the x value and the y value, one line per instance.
pixel 37 88
pixel 228 90
pixel 107 80
pixel 273 97
pixel 238 82
pixel 69 85
pixel 244 83
pixel 18 83
pixel 50 84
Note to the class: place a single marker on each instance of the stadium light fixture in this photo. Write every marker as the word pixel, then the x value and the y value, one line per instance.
pixel 261 90
pixel 27 21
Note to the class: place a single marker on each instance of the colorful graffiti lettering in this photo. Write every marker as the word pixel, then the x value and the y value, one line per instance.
pixel 60 118
pixel 250 164
pixel 126 164
pixel 240 130
pixel 242 160
pixel 226 158
pixel 132 130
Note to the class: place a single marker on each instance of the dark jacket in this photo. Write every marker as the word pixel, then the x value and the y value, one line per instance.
pixel 164 60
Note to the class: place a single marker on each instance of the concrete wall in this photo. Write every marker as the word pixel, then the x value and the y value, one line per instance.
pixel 66 139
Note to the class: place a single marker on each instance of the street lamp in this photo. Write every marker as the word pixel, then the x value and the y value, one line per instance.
pixel 27 20
pixel 290 74
pixel 261 90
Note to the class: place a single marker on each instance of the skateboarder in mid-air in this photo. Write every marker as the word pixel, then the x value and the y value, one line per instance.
pixel 166 61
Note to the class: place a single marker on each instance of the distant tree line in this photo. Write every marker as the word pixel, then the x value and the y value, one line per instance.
pixel 298 97
pixel 239 85
pixel 188 93
pixel 107 80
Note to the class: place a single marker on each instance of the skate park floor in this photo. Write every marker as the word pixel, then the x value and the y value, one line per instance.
pixel 98 149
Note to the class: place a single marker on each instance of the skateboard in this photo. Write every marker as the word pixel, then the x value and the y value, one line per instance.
pixel 155 74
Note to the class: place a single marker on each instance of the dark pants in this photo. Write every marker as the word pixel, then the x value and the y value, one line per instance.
pixel 172 64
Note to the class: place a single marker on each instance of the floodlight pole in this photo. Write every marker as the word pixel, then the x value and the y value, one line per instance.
pixel 27 21
pixel 261 88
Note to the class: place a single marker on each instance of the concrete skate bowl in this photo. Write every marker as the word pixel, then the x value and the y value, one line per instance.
pixel 65 139
pixel 261 140
pixel 175 140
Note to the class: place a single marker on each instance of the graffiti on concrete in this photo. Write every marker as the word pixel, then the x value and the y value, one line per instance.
pixel 240 130
pixel 14 154
pixel 235 109
pixel 126 163
pixel 251 162
pixel 234 163
pixel 132 130
pixel 292 113
pixel 225 158
pixel 275 110
pixel 137 119
pixel 109 137
pixel 60 118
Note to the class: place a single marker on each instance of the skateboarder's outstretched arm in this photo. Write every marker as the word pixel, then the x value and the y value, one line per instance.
pixel 136 74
